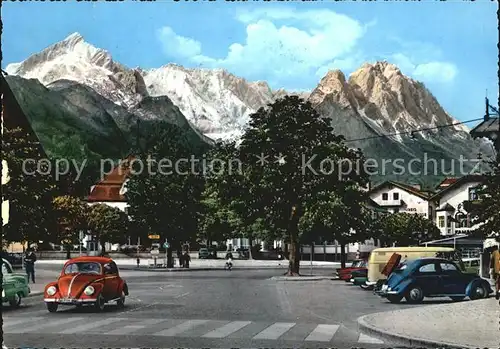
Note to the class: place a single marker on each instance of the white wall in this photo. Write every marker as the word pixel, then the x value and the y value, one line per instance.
pixel 116 204
pixel 455 197
pixel 413 203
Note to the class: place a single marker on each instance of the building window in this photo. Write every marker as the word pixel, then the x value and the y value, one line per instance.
pixel 385 196
pixel 448 222
pixel 395 196
pixel 441 221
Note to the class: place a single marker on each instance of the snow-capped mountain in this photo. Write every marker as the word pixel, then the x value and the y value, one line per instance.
pixel 377 99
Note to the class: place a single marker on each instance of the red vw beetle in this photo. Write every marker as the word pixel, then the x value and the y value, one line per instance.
pixel 87 280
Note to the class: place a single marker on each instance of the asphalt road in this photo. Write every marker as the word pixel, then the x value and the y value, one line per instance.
pixel 216 309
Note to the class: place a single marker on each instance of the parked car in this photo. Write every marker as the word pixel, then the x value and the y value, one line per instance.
pixel 433 277
pixel 345 273
pixel 87 281
pixel 359 277
pixel 14 285
pixel 203 253
pixel 15 259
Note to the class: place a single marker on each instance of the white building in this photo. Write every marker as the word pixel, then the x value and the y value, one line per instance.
pixel 398 197
pixel 451 217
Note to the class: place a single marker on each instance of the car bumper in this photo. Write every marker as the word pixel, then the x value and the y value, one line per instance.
pixel 386 293
pixel 70 301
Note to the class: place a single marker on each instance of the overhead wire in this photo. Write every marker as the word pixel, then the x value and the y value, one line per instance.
pixel 414 131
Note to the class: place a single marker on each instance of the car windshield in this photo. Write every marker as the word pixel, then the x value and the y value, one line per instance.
pixel 83 268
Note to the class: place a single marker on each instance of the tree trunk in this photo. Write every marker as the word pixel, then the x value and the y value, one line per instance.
pixel 294 257
pixel 103 248
pixel 250 246
pixel 342 255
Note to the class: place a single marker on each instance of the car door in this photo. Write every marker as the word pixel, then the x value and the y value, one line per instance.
pixel 428 278
pixel 452 280
pixel 111 281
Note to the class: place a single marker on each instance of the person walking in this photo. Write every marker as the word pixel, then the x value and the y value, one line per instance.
pixel 495 270
pixel 29 264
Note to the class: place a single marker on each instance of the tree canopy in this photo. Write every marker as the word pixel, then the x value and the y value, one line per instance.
pixel 289 155
pixel 108 224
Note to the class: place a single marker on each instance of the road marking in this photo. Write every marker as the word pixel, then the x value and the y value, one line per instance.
pixel 226 330
pixel 22 329
pixel 185 326
pixel 323 333
pixel 275 331
pixel 89 326
pixel 140 307
pixel 182 295
pixel 9 323
pixel 131 328
pixel 363 338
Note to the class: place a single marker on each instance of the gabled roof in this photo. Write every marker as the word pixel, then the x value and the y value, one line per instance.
pixel 402 186
pixel 458 183
pixel 13 115
pixel 485 128
pixel 108 189
pixel 447 181
pixel 447 208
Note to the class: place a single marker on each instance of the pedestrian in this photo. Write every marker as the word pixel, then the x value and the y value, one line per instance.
pixel 495 270
pixel 138 262
pixel 186 259
pixel 29 264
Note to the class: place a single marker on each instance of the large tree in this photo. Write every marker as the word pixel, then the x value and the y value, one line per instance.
pixel 71 215
pixel 289 154
pixel 30 189
pixel 486 210
pixel 405 229
pixel 337 215
pixel 165 187
pixel 108 224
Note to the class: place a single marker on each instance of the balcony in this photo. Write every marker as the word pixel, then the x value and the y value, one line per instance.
pixel 392 203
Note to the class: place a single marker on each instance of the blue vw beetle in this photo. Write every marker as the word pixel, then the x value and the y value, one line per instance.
pixel 432 277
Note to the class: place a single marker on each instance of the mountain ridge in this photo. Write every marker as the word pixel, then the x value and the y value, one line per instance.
pixel 375 100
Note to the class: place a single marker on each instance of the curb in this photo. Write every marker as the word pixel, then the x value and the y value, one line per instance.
pixel 402 339
pixel 173 270
pixel 301 278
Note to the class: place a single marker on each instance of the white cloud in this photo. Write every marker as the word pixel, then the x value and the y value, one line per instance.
pixel 309 41
pixel 176 45
pixel 432 72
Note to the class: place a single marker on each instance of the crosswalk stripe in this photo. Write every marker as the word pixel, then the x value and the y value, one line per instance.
pixel 131 328
pixel 323 333
pixel 363 338
pixel 89 326
pixel 226 330
pixel 9 322
pixel 274 331
pixel 22 329
pixel 185 326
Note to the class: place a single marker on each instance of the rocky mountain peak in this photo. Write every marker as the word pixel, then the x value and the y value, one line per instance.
pixel 334 86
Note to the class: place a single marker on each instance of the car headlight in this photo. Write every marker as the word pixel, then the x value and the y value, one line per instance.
pixel 89 290
pixel 51 290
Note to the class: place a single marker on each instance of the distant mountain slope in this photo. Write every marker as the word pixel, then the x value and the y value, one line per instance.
pixel 377 99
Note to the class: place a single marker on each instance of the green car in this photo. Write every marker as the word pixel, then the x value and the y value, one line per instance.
pixel 15 285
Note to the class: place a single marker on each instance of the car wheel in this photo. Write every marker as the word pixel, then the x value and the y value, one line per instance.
pixel 16 301
pixel 52 307
pixel 415 295
pixel 100 303
pixel 366 287
pixel 394 298
pixel 457 298
pixel 121 302
pixel 478 292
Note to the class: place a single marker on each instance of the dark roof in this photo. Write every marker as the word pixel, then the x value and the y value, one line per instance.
pixel 13 115
pixel 447 207
pixel 108 189
pixel 447 181
pixel 485 128
pixel 402 186
pixel 457 183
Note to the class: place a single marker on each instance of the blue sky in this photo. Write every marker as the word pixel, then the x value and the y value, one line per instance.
pixel 450 46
